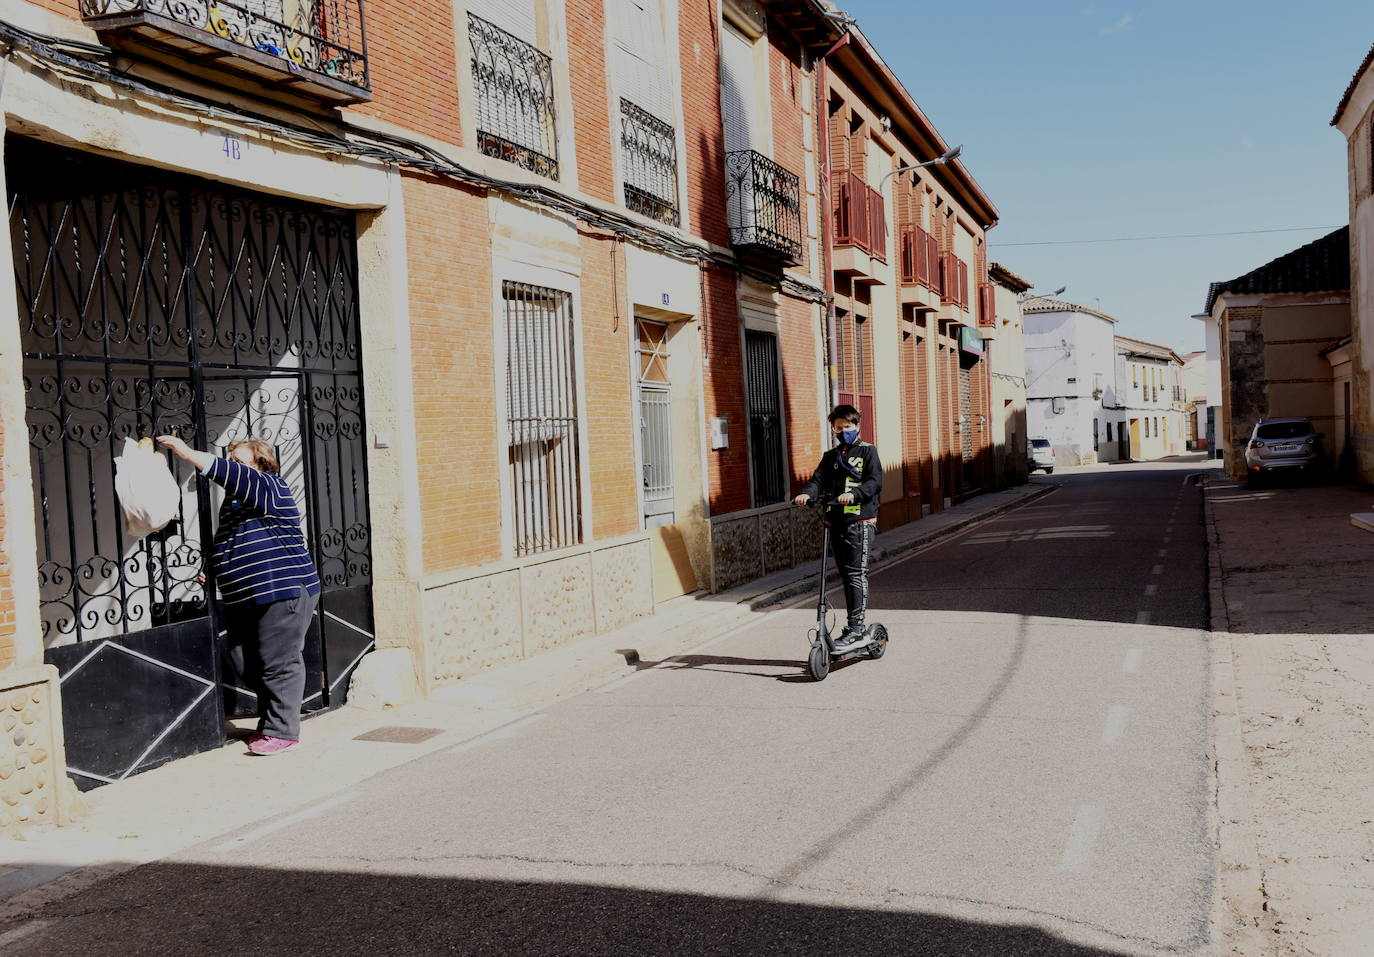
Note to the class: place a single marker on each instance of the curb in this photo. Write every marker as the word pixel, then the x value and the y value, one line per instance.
pixel 1239 918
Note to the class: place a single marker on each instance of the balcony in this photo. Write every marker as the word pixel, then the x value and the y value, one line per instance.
pixel 512 82
pixel 763 207
pixel 649 148
pixel 919 262
pixel 953 280
pixel 860 227
pixel 316 50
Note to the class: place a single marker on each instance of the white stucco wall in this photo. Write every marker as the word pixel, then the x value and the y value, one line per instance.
pixel 1068 355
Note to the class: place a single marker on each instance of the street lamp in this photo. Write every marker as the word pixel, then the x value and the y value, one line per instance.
pixel 1025 298
pixel 937 161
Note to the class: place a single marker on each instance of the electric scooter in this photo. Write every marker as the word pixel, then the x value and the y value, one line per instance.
pixel 874 642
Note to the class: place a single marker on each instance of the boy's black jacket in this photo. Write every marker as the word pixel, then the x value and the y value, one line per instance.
pixel 829 481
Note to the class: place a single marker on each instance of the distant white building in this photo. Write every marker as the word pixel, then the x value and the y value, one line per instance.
pixel 1148 419
pixel 1195 397
pixel 1070 375
pixel 1216 438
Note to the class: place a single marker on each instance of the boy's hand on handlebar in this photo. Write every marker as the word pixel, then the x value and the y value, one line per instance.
pixel 801 500
pixel 846 499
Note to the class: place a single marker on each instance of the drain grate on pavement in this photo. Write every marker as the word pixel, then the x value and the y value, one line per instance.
pixel 399 734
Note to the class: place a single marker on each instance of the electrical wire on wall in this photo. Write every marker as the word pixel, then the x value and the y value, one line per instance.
pixel 76 58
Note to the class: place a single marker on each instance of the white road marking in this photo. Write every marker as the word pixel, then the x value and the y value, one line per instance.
pixel 1117 716
pixel 1082 835
pixel 1157 570
pixel 1167 539
pixel 1142 618
pixel 505 731
pixel 304 814
pixel 1150 589
pixel 1132 663
pixel 22 931
pixel 1163 553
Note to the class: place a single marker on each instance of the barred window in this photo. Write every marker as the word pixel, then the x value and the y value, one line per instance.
pixel 512 82
pixel 541 409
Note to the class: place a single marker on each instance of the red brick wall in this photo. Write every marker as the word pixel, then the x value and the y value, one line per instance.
pixel 411 60
pixel 728 469
pixel 801 385
pixel 703 130
pixel 611 435
pixel 449 258
pixel 784 70
pixel 587 73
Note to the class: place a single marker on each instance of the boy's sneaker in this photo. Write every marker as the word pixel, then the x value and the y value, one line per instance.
pixel 848 637
pixel 264 745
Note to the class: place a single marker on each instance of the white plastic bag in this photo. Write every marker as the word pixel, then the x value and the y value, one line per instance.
pixel 148 494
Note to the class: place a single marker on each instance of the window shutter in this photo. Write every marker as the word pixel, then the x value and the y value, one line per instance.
pixel 513 16
pixel 639 56
pixel 737 89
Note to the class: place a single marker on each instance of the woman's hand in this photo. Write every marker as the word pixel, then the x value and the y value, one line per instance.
pixel 180 449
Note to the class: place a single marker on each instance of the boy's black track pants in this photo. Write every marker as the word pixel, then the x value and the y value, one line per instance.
pixel 851 544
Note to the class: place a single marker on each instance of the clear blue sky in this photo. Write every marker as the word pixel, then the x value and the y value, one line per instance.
pixel 1097 119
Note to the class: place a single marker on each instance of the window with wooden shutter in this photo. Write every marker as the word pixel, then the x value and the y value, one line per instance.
pixel 737 90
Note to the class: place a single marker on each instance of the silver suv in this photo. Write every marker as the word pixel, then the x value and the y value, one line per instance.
pixel 1041 455
pixel 1277 444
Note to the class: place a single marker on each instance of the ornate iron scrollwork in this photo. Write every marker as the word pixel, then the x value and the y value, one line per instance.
pixel 324 37
pixel 649 147
pixel 763 205
pixel 513 82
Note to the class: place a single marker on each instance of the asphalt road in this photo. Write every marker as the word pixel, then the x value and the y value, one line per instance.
pixel 1024 773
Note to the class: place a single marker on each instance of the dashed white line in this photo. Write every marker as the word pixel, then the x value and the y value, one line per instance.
pixel 1142 618
pixel 1117 716
pixel 1150 589
pixel 314 810
pixel 1167 539
pixel 1157 570
pixel 1132 663
pixel 1163 553
pixel 505 731
pixel 1082 835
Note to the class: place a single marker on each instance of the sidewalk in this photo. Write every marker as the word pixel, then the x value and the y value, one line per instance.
pixel 1294 662
pixel 210 795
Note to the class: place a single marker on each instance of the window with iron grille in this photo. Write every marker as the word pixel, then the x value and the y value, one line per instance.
pixel 512 81
pixel 541 423
pixel 649 148
pixel 765 417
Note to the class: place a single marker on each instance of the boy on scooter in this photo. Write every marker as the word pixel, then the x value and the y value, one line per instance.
pixel 851 476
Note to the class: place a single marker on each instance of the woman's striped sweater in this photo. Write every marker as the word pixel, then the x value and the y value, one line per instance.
pixel 259 553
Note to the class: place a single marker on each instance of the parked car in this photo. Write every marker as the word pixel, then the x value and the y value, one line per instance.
pixel 1282 445
pixel 1041 455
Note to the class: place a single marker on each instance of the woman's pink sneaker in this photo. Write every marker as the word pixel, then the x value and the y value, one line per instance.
pixel 263 745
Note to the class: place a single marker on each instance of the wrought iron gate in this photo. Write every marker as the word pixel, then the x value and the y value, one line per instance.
pixel 150 303
pixel 765 417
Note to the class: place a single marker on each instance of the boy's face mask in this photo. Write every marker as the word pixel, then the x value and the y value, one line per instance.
pixel 847 436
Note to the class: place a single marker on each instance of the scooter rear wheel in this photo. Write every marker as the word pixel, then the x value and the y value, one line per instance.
pixel 879 646
pixel 819 662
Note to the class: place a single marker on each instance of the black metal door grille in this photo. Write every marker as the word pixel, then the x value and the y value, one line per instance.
pixel 149 303
pixel 765 417
pixel 541 407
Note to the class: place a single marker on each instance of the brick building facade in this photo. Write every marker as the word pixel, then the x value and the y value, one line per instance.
pixel 532 296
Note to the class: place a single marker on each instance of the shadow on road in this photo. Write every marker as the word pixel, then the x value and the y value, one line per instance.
pixel 190 910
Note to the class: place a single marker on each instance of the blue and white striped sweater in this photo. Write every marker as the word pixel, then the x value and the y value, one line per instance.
pixel 259 553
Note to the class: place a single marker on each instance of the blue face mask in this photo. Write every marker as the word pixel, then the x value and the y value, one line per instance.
pixel 848 436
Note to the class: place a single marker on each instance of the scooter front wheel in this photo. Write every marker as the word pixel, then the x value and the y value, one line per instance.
pixel 819 662
pixel 879 646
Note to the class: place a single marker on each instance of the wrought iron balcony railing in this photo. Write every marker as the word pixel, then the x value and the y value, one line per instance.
pixel 860 218
pixel 649 147
pixel 513 84
pixel 763 206
pixel 317 48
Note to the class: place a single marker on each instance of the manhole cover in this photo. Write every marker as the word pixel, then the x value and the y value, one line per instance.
pixel 396 734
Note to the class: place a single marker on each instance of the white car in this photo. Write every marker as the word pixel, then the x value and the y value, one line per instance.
pixel 1041 455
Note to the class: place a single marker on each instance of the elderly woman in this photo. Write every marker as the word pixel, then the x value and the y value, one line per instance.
pixel 266 578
